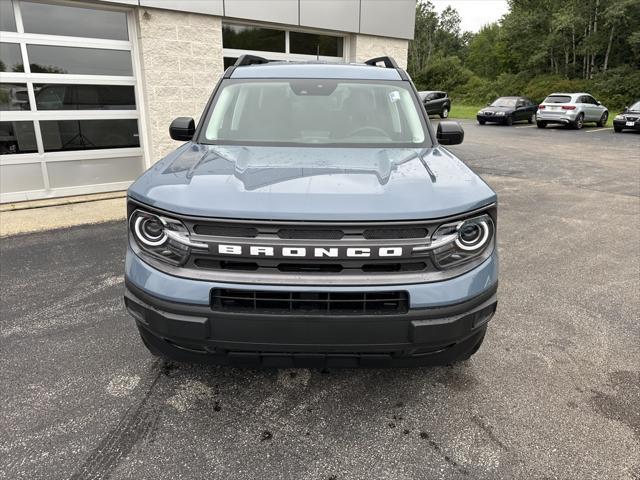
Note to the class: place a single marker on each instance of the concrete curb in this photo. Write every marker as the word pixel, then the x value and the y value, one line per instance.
pixel 38 217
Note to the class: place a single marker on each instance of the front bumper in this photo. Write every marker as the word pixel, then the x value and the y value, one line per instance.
pixel 444 322
pixel 492 118
pixel 622 125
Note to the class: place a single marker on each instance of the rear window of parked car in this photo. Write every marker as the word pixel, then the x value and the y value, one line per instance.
pixel 558 99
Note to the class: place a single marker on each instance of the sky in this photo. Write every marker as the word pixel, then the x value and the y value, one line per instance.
pixel 474 13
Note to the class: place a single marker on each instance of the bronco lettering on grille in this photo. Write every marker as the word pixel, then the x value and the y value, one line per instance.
pixel 311 252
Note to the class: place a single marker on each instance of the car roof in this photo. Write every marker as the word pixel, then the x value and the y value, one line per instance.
pixel 569 94
pixel 316 70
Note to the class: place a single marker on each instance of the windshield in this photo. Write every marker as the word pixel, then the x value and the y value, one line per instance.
pixel 504 102
pixel 557 99
pixel 635 107
pixel 314 112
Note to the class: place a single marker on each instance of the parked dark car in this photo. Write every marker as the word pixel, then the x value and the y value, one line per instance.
pixel 507 110
pixel 629 119
pixel 436 103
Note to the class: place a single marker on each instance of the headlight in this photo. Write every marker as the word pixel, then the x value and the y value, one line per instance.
pixel 500 114
pixel 619 117
pixel 459 242
pixel 162 237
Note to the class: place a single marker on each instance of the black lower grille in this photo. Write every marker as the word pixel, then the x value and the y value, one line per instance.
pixel 325 267
pixel 326 303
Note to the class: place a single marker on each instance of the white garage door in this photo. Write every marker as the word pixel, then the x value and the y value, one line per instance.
pixel 69 101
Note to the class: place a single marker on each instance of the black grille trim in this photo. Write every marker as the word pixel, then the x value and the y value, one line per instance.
pixel 346 266
pixel 222 230
pixel 325 303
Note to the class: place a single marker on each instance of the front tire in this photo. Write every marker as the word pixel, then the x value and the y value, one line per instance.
pixel 603 119
pixel 509 121
pixel 444 113
pixel 579 122
pixel 541 124
pixel 530 119
pixel 617 129
pixel 481 122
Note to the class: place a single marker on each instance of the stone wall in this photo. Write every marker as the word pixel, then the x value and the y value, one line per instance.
pixel 181 59
pixel 364 47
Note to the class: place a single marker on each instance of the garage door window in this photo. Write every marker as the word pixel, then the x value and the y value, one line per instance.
pixel 68 97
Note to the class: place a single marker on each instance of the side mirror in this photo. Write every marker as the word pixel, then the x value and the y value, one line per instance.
pixel 626 108
pixel 488 104
pixel 450 133
pixel 182 129
pixel 599 103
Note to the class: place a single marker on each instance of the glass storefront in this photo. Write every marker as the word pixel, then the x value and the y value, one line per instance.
pixel 69 115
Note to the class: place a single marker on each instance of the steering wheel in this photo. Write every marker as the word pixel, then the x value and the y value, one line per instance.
pixel 374 130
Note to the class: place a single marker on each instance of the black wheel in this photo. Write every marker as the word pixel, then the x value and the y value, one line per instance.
pixel 541 124
pixel 603 119
pixel 530 119
pixel 509 121
pixel 617 129
pixel 444 113
pixel 579 123
pixel 481 122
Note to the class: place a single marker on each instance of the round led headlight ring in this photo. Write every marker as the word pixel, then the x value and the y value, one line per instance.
pixel 473 235
pixel 150 230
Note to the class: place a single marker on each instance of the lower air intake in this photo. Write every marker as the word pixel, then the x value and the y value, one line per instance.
pixel 325 303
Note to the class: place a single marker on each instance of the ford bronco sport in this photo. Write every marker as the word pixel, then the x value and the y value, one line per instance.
pixel 313 218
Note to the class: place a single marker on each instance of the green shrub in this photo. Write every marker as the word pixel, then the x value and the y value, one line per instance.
pixel 443 73
pixel 615 88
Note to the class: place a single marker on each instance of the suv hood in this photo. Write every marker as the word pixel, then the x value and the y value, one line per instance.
pixel 308 183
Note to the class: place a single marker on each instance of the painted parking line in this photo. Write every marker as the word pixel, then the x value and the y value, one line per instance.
pixel 598 130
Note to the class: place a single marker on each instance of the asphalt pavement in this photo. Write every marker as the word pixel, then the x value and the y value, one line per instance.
pixel 554 391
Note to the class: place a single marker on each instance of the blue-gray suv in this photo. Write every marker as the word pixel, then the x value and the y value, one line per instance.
pixel 313 218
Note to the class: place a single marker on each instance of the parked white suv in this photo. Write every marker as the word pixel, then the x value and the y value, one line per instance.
pixel 574 109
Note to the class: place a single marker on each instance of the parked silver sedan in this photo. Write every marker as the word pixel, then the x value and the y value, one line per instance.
pixel 572 109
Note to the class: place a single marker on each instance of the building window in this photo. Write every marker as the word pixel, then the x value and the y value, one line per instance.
pixel 7 18
pixel 73 21
pixel 314 44
pixel 253 38
pixel 88 134
pixel 280 45
pixel 14 96
pixel 11 58
pixel 69 109
pixel 17 137
pixel 75 60
pixel 55 96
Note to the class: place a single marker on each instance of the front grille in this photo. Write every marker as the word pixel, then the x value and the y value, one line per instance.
pixel 632 119
pixel 226 230
pixel 273 266
pixel 394 233
pixel 320 234
pixel 325 303
pixel 302 231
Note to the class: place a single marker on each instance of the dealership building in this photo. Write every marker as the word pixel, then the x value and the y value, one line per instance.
pixel 88 88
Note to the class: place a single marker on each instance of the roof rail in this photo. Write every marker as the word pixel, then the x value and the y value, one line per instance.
pixel 389 62
pixel 245 60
